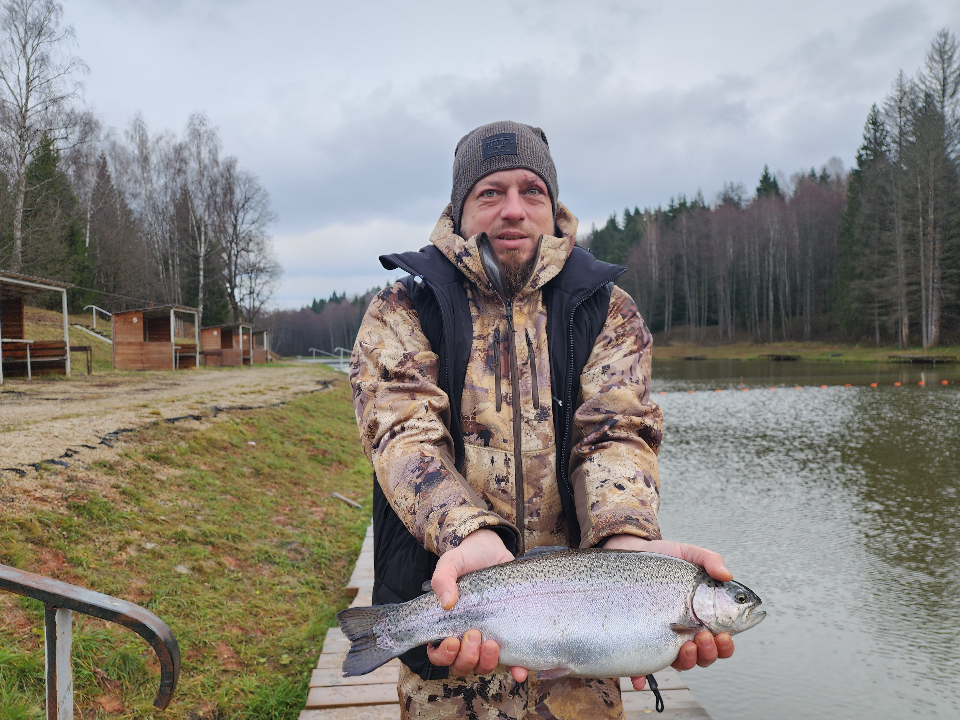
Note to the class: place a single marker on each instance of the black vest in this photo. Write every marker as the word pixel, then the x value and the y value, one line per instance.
pixel 577 300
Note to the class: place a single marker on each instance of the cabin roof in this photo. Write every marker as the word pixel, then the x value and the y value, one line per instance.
pixel 15 284
pixel 158 310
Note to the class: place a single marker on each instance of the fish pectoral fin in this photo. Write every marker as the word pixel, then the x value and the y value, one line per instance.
pixel 553 673
pixel 544 550
pixel 682 629
pixel 426 587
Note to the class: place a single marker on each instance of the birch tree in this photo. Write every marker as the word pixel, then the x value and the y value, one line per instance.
pixel 38 85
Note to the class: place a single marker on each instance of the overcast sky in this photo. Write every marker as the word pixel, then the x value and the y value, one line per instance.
pixel 349 111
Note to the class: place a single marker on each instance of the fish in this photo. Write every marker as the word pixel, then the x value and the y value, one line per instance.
pixel 561 612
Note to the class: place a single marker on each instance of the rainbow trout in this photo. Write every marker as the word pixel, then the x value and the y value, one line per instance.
pixel 561 612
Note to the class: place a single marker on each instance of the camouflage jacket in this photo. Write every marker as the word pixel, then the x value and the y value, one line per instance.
pixel 403 415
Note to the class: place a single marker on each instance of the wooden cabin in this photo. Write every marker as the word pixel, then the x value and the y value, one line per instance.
pixel 156 338
pixel 19 355
pixel 227 345
pixel 261 347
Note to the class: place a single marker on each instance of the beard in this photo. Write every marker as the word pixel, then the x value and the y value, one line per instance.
pixel 516 272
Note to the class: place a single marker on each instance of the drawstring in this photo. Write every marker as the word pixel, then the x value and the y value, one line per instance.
pixel 496 361
pixel 533 371
pixel 656 693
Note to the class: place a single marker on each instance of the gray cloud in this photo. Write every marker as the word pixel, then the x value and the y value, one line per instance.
pixel 349 112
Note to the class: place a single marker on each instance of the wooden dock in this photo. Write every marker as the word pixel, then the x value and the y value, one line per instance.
pixel 374 696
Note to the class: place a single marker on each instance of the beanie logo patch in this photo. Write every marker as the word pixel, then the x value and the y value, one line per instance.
pixel 499 144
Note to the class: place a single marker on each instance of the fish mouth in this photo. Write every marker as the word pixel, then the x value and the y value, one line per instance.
pixel 753 617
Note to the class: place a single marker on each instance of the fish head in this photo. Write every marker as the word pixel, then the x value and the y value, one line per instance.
pixel 727 607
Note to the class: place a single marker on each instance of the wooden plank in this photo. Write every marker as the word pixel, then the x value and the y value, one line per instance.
pixel 333 677
pixel 370 712
pixel 330 660
pixel 677 704
pixel 363 598
pixel 335 642
pixel 352 695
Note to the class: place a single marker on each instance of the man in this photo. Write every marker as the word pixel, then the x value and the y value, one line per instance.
pixel 502 392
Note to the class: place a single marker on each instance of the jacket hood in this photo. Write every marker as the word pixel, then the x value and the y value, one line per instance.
pixel 464 253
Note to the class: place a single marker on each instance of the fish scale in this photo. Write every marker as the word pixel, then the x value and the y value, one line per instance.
pixel 582 613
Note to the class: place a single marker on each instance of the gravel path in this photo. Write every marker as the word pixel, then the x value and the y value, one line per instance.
pixel 65 419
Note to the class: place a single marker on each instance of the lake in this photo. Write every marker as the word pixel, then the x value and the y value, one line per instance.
pixel 840 507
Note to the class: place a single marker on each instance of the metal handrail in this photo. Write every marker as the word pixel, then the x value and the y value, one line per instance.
pixel 60 599
pixel 94 312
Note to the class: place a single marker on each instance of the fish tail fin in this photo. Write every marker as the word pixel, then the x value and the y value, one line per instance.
pixel 365 654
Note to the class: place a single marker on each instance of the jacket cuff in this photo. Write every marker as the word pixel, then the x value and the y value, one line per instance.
pixel 453 533
pixel 641 525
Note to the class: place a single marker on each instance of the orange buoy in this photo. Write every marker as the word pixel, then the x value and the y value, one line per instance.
pixel 896 384
pixel 944 382
pixel 847 385
pixel 873 384
pixel 823 386
pixel 719 390
pixel 662 392
pixel 773 388
pixel 921 383
pixel 689 392
pixel 799 387
pixel 744 389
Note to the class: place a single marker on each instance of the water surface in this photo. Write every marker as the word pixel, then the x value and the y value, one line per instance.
pixel 840 507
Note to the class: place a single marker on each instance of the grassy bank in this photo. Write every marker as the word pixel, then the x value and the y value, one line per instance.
pixel 677 348
pixel 228 533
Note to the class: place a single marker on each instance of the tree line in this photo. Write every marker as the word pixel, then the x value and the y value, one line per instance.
pixel 874 256
pixel 131 217
pixel 325 324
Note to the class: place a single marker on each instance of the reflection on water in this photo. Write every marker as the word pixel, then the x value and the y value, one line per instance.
pixel 839 506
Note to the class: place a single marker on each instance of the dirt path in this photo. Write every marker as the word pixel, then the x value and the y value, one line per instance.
pixel 77 420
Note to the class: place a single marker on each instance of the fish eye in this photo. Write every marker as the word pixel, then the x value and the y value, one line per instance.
pixel 741 598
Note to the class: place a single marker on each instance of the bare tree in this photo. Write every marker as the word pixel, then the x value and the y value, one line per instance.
pixel 201 156
pixel 37 79
pixel 243 214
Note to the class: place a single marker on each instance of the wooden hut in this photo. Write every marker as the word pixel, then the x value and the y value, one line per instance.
pixel 261 347
pixel 156 338
pixel 20 355
pixel 227 345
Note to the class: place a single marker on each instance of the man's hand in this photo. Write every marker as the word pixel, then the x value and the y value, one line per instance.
pixel 704 649
pixel 480 549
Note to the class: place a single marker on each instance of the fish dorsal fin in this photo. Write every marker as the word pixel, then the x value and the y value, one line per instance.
pixel 545 550
pixel 682 629
pixel 553 673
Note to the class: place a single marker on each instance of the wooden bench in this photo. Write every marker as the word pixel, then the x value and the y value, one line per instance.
pixel 20 356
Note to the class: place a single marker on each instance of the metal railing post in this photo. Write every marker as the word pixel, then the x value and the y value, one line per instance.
pixel 58 638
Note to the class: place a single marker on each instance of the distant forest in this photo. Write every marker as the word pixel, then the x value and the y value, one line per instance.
pixel 870 256
pixel 130 217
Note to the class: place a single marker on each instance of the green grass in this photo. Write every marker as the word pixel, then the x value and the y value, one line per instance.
pixel 678 346
pixel 268 550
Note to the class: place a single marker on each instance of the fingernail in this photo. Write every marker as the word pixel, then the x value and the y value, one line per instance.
pixel 451 646
pixel 473 636
pixel 445 599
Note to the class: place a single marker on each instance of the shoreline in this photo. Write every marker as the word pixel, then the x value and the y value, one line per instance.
pixel 804 351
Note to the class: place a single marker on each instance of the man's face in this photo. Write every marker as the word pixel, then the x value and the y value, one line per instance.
pixel 513 207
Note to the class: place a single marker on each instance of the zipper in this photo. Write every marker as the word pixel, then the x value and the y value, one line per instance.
pixel 517 434
pixel 568 409
pixel 497 368
pixel 533 371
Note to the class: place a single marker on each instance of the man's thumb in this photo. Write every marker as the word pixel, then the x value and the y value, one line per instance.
pixel 444 582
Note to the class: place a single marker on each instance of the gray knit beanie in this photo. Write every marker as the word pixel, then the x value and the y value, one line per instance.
pixel 498 146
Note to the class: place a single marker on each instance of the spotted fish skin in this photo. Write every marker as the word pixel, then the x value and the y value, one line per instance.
pixel 581 613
